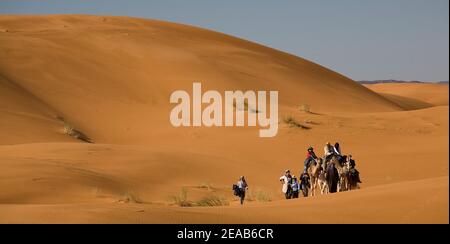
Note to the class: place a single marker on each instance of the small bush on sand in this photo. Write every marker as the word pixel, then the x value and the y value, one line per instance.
pixel 71 131
pixel 205 185
pixel 213 200
pixel 181 199
pixel 292 122
pixel 307 121
pixel 246 107
pixel 305 108
pixel 259 195
pixel 130 197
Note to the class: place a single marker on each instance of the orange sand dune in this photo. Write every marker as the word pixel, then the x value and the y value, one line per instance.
pixel 413 96
pixel 111 78
pixel 396 203
pixel 126 68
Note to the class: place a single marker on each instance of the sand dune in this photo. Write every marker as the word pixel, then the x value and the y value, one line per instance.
pixel 396 203
pixel 414 96
pixel 111 78
pixel 125 66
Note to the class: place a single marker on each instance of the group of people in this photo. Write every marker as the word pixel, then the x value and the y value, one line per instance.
pixel 329 152
pixel 290 183
pixel 292 186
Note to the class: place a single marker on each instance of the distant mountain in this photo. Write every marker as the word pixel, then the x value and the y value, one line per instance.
pixel 396 81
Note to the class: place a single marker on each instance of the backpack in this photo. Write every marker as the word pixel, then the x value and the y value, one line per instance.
pixel 295 186
pixel 235 190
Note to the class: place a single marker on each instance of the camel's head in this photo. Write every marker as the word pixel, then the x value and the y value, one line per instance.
pixel 319 161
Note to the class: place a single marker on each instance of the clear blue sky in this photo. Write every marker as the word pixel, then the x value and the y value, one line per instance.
pixel 363 39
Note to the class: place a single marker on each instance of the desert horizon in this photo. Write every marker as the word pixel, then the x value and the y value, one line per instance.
pixel 86 137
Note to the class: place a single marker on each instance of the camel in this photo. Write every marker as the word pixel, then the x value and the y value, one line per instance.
pixel 322 182
pixel 332 177
pixel 314 171
pixel 342 184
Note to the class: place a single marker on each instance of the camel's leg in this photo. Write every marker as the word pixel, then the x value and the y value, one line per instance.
pixel 316 184
pixel 322 187
pixel 313 186
pixel 344 183
pixel 339 185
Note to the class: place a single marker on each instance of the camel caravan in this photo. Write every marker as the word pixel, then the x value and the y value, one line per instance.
pixel 332 173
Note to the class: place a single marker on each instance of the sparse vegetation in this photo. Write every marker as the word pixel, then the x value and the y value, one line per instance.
pixel 181 199
pixel 246 107
pixel 292 122
pixel 205 185
pixel 130 197
pixel 71 131
pixel 212 200
pixel 305 108
pixel 259 195
pixel 307 121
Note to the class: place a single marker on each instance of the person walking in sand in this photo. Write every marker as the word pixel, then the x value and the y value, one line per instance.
pixel 295 187
pixel 304 183
pixel 352 165
pixel 242 187
pixel 286 181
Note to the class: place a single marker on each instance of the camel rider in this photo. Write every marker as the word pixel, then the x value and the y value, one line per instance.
pixel 352 165
pixel 338 153
pixel 310 158
pixel 337 149
pixel 329 152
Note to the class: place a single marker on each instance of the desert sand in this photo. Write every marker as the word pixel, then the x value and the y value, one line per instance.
pixel 110 78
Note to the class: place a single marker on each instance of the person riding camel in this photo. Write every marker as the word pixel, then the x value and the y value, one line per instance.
pixel 352 164
pixel 337 149
pixel 310 158
pixel 329 152
pixel 286 181
pixel 337 152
